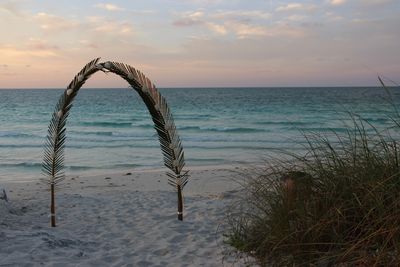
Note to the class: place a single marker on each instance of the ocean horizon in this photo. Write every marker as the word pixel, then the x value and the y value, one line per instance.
pixel 110 130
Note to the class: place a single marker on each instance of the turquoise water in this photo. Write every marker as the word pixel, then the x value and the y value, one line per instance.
pixel 110 130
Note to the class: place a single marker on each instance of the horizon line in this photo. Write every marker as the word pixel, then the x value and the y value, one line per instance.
pixel 205 87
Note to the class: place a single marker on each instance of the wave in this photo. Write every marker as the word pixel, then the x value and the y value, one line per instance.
pixel 195 143
pixel 102 167
pixel 126 165
pixel 240 147
pixel 101 133
pixel 79 168
pixel 18 134
pixel 205 160
pixel 240 138
pixel 379 120
pixel 291 123
pixel 222 129
pixel 194 117
pixel 326 129
pixel 86 145
pixel 38 166
pixel 21 145
pixel 144 126
pixel 100 146
pixel 106 124
pixel 78 136
pixel 22 164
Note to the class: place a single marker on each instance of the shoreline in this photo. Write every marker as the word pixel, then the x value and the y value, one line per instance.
pixel 120 219
pixel 118 172
pixel 146 179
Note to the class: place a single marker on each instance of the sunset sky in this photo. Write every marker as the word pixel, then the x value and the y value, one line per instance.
pixel 209 43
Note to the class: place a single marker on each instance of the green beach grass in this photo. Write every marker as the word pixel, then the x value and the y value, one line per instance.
pixel 338 205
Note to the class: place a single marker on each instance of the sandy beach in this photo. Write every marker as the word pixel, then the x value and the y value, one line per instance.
pixel 125 219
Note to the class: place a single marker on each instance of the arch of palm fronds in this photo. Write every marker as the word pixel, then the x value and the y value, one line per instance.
pixel 171 147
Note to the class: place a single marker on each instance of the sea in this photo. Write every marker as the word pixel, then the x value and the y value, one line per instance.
pixel 111 131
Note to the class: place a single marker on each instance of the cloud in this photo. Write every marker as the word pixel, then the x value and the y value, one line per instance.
pixel 332 17
pixel 8 73
pixel 40 45
pixel 144 12
pixel 217 22
pixel 11 7
pixel 184 22
pixel 375 2
pixel 217 28
pixel 205 2
pixel 95 19
pixel 109 7
pixel 239 24
pixel 50 22
pixel 13 52
pixel 236 14
pixel 221 28
pixel 89 44
pixel 254 35
pixel 290 6
pixel 295 7
pixel 102 25
pixel 337 2
pixel 190 19
pixel 296 18
pixel 245 30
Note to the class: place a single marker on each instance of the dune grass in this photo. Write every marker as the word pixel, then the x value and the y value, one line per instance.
pixel 337 205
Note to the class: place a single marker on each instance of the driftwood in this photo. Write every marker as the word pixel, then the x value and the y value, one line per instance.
pixel 171 147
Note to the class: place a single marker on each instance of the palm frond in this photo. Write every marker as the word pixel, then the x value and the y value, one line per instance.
pixel 161 115
pixel 181 182
pixel 53 159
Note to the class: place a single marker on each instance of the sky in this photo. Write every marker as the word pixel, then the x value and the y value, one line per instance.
pixel 202 43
